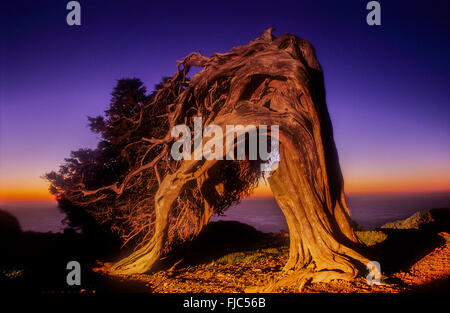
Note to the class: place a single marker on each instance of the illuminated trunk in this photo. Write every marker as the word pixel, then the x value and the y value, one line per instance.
pixel 322 242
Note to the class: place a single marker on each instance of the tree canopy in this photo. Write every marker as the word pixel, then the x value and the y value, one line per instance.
pixel 112 187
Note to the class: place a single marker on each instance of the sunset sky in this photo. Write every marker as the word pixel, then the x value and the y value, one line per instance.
pixel 387 86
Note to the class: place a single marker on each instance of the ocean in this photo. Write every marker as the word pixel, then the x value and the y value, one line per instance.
pixel 36 216
pixel 370 211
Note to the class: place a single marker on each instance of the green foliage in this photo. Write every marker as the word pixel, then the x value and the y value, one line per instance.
pixel 372 237
pixel 249 256
pixel 111 188
pixel 104 165
pixel 13 273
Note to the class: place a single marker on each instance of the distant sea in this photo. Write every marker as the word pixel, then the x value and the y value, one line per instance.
pixel 370 211
pixel 36 216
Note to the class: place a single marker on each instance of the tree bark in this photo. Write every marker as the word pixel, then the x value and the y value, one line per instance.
pixel 322 243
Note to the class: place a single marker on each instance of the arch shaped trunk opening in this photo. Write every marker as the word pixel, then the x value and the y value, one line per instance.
pixel 323 245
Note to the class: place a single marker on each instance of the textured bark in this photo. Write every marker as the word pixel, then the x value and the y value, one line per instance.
pixel 270 81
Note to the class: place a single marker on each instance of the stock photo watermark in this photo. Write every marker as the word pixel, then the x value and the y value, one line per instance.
pixel 374 16
pixel 374 275
pixel 73 278
pixel 213 149
pixel 73 17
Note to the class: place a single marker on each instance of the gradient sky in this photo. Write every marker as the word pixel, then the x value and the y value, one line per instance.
pixel 387 86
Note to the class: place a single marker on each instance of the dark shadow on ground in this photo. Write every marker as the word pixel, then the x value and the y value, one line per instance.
pixel 404 247
pixel 220 238
pixel 36 262
pixel 435 286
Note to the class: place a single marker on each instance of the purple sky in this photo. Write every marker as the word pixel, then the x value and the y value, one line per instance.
pixel 387 86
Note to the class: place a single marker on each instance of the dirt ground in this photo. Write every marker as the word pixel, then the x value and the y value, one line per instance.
pixel 412 260
pixel 432 272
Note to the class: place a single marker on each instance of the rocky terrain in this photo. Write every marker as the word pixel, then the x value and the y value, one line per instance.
pixel 414 255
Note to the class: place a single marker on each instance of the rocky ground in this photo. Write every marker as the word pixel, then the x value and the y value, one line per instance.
pixel 414 255
pixel 248 272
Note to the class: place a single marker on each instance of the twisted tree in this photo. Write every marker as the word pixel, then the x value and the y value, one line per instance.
pixel 155 201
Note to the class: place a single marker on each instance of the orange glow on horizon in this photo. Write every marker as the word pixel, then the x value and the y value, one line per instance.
pixel 408 183
pixel 19 191
pixel 372 186
pixel 38 190
pixel 23 196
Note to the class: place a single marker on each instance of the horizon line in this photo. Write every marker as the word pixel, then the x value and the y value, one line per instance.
pixel 255 195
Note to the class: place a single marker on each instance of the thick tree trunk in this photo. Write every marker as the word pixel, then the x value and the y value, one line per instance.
pixel 322 245
pixel 144 258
